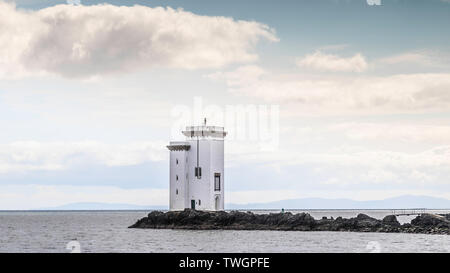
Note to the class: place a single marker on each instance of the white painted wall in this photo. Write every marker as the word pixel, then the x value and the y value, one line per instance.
pixel 211 160
pixel 178 188
pixel 217 166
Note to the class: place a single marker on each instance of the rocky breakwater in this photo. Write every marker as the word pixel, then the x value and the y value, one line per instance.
pixel 238 220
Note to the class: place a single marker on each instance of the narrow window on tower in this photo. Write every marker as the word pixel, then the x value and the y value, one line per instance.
pixel 177 177
pixel 199 202
pixel 217 181
pixel 176 192
pixel 177 161
pixel 198 172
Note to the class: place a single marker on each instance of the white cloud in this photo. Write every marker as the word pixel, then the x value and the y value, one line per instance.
pixel 348 156
pixel 347 166
pixel 395 132
pixel 85 41
pixel 343 94
pixel 410 57
pixel 243 75
pixel 24 197
pixel 421 58
pixel 23 156
pixel 330 62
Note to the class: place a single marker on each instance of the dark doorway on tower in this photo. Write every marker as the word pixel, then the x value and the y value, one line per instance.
pixel 192 204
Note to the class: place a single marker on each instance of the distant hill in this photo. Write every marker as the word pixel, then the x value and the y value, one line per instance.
pixel 400 202
pixel 103 206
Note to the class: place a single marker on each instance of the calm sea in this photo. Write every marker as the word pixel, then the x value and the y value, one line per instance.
pixel 106 231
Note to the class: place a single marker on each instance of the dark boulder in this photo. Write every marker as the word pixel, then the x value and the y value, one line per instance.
pixel 430 220
pixel 364 222
pixel 391 220
pixel 447 216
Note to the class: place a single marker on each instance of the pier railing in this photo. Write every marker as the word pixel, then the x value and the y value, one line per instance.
pixel 407 212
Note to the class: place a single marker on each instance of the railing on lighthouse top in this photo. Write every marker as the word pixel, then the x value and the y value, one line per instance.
pixel 205 131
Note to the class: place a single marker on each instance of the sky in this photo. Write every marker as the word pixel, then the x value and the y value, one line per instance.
pixel 343 99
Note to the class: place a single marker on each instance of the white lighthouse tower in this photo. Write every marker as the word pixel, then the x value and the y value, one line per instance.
pixel 197 169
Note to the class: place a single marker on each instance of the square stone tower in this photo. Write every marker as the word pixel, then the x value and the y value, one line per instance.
pixel 197 169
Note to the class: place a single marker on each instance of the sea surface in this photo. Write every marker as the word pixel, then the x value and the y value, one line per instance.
pixel 106 231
